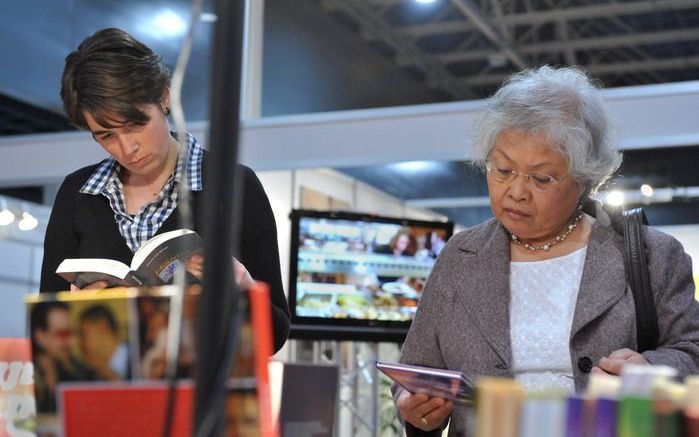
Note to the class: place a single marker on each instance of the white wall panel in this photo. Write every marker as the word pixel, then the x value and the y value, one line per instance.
pixel 15 261
pixel 13 317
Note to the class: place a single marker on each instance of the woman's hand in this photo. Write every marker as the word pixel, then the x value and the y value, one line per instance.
pixel 617 360
pixel 98 285
pixel 423 412
pixel 195 266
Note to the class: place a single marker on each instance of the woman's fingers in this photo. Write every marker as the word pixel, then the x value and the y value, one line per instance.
pixel 422 411
pixel 242 276
pixel 618 359
pixel 437 416
pixel 97 285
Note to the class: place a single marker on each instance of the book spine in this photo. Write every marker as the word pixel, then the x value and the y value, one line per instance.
pixel 499 403
pixel 636 417
pixel 605 417
pixel 575 410
pixel 691 422
pixel 668 421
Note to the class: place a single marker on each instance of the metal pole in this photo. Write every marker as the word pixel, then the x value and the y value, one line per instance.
pixel 219 297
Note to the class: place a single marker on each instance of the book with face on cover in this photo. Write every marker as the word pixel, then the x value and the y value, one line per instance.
pixel 154 263
pixel 448 384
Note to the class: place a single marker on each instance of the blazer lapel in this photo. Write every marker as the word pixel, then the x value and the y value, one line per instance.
pixel 486 292
pixel 603 280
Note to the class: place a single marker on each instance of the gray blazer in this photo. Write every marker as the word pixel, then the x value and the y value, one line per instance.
pixel 463 319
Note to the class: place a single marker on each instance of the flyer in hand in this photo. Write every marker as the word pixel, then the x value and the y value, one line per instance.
pixel 447 384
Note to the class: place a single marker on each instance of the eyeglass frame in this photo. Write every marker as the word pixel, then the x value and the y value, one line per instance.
pixel 527 177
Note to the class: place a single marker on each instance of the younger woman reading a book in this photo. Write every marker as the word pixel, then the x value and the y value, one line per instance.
pixel 117 88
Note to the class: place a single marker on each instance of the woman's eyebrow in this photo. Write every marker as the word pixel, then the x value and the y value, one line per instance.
pixel 537 165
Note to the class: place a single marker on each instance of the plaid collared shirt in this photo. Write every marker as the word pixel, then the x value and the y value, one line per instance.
pixel 139 228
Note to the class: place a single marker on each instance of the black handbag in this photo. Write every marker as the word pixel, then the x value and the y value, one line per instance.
pixel 629 224
pixel 636 267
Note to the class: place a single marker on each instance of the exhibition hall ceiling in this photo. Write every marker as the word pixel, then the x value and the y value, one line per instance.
pixel 326 55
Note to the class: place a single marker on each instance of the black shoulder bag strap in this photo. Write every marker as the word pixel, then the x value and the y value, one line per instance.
pixel 636 266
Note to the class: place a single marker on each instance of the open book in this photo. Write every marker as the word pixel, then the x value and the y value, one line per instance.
pixel 154 263
pixel 448 384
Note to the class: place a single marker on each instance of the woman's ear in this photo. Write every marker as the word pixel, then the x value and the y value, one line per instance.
pixel 165 101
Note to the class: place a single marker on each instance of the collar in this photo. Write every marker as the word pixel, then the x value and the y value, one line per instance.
pixel 108 170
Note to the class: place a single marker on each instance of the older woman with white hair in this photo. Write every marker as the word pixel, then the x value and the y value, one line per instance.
pixel 539 292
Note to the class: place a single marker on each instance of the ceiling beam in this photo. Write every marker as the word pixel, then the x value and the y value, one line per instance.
pixel 436 74
pixel 598 10
pixel 555 14
pixel 612 41
pixel 486 28
pixel 682 62
pixel 648 116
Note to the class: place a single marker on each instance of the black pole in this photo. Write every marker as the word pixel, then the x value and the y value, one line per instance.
pixel 219 295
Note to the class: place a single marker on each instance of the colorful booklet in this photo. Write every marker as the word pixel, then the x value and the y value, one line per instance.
pixel 447 384
pixel 154 263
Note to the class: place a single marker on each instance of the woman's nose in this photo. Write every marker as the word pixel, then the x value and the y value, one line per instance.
pixel 519 187
pixel 128 143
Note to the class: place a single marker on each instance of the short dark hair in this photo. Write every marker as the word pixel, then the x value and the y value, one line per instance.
pixel 39 318
pixel 97 313
pixel 111 74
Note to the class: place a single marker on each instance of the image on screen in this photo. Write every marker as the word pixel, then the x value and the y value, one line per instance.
pixel 362 269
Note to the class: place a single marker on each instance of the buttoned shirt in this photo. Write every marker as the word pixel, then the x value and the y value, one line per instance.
pixel 142 226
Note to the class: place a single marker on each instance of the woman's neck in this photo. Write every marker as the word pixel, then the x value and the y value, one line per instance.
pixel 577 239
pixel 156 180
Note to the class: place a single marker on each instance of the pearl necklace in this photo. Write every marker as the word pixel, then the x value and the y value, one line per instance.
pixel 548 245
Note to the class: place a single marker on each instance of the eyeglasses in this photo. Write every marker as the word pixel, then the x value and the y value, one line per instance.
pixel 541 181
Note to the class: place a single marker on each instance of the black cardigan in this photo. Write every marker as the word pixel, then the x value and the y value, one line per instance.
pixel 83 226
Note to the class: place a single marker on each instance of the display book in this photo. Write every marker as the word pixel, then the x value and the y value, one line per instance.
pixel 448 384
pixel 154 263
pixel 356 276
pixel 128 361
pixel 645 401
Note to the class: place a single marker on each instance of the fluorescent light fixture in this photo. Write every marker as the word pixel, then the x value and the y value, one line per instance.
pixel 27 222
pixel 169 23
pixel 647 190
pixel 425 2
pixel 208 17
pixel 413 166
pixel 6 217
pixel 615 198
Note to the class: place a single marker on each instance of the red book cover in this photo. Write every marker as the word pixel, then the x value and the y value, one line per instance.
pixel 121 409
pixel 17 404
pixel 261 318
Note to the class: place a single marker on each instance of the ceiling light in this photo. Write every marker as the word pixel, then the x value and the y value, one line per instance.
pixel 27 222
pixel 169 23
pixel 6 217
pixel 413 166
pixel 425 2
pixel 647 190
pixel 615 198
pixel 497 60
pixel 208 17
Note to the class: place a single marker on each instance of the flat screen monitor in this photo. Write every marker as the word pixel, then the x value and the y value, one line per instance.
pixel 359 276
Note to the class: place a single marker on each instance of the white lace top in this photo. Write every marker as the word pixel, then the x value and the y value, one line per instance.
pixel 542 304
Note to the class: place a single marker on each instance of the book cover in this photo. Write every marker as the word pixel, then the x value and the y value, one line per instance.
pixel 79 337
pixel 499 403
pixel 17 405
pixel 154 263
pixel 447 384
pixel 66 358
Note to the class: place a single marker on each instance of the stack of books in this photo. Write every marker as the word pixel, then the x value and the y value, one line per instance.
pixel 646 401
